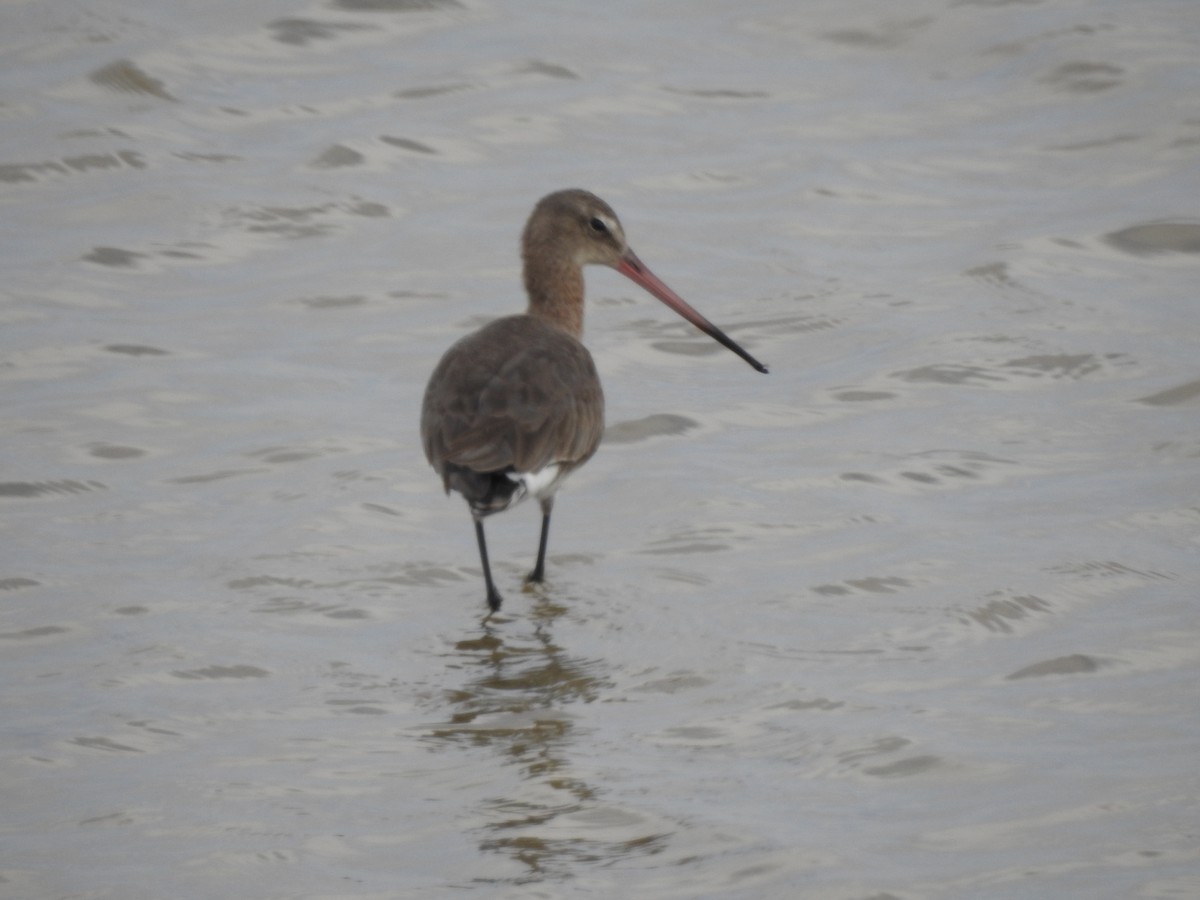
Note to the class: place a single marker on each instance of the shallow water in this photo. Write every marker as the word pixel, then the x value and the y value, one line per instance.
pixel 911 617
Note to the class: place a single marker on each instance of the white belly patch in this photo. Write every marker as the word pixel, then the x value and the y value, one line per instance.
pixel 541 483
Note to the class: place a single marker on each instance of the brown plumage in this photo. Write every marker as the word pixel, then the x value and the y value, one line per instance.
pixel 514 407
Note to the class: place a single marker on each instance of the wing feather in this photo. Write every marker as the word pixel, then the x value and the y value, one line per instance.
pixel 519 394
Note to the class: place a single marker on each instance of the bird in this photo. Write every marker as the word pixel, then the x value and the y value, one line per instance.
pixel 513 408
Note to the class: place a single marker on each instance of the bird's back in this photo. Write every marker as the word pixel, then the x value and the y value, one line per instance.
pixel 516 396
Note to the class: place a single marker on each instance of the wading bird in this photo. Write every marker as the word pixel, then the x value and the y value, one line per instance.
pixel 514 407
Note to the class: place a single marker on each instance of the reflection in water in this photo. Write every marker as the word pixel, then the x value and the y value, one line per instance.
pixel 516 703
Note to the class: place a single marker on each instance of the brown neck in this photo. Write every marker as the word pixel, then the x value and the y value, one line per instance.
pixel 555 288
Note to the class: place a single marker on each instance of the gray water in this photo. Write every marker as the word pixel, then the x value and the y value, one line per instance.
pixel 913 616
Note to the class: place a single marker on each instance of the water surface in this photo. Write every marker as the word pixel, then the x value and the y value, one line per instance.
pixel 914 616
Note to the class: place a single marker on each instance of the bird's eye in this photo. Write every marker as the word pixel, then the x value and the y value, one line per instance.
pixel 598 225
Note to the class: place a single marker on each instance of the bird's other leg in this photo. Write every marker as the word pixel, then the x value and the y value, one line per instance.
pixel 539 570
pixel 493 596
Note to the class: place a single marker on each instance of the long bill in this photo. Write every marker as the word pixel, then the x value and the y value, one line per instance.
pixel 636 271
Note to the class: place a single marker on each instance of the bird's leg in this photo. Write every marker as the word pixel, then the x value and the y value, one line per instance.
pixel 493 596
pixel 539 571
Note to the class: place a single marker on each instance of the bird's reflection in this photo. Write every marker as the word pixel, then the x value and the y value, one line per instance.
pixel 516 701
